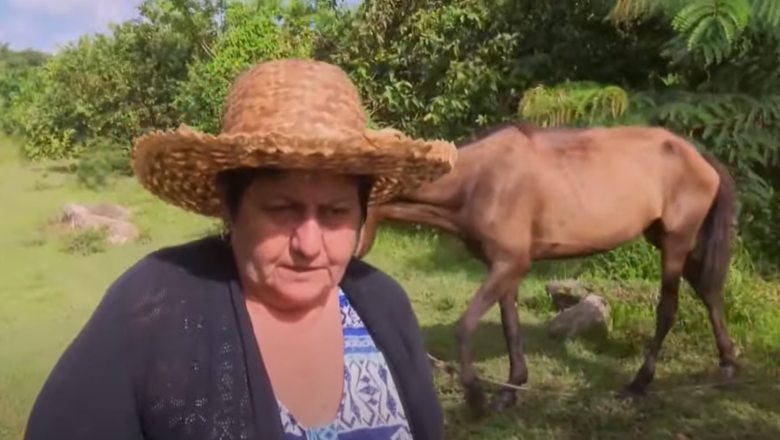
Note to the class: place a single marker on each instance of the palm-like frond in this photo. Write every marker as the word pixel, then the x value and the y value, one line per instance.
pixel 572 102
pixel 709 27
pixel 766 11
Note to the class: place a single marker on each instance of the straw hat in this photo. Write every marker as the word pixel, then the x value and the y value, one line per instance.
pixel 292 114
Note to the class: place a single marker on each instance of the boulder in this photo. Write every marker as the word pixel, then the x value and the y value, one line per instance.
pixel 592 312
pixel 567 293
pixel 114 218
pixel 117 212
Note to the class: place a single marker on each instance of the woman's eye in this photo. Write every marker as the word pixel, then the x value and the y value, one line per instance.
pixel 337 211
pixel 278 208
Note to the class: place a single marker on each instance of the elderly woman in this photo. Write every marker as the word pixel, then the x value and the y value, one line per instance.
pixel 273 331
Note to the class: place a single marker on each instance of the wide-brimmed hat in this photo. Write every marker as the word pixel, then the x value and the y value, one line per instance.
pixel 289 114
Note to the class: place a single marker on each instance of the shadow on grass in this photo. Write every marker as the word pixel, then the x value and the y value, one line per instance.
pixel 487 344
pixel 675 409
pixel 683 404
pixel 67 167
pixel 586 416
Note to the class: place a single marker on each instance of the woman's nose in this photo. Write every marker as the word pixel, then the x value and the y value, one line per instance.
pixel 307 238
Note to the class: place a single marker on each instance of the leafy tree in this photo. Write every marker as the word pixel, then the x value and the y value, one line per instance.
pixel 446 68
pixel 252 33
pixel 17 73
pixel 706 69
pixel 709 28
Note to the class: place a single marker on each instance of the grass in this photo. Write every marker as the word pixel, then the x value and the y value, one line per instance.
pixel 50 285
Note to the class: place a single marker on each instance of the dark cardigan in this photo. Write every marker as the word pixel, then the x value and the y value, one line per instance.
pixel 170 354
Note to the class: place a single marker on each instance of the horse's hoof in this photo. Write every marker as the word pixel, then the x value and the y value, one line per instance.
pixel 502 401
pixel 728 372
pixel 632 393
pixel 475 400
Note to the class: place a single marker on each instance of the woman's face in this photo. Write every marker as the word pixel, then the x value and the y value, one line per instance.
pixel 294 234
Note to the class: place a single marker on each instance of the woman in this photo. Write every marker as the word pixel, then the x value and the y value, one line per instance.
pixel 274 331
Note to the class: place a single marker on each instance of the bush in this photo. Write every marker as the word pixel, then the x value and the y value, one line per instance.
pixel 100 160
pixel 85 242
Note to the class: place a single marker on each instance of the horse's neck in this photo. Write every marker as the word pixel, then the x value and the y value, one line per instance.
pixel 442 192
pixel 473 158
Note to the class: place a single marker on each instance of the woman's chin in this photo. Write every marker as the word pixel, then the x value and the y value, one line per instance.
pixel 302 293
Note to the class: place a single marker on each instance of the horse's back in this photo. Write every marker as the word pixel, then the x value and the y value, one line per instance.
pixel 628 153
pixel 662 154
pixel 597 188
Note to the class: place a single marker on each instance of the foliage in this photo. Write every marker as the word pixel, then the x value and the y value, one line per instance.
pixel 706 69
pixel 446 68
pixel 85 242
pixel 570 103
pixel 252 34
pixel 17 73
pixel 709 28
pixel 100 161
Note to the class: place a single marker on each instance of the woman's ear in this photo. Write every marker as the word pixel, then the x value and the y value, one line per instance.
pixel 225 230
pixel 359 235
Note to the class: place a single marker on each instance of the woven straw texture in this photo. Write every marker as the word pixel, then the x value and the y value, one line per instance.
pixel 291 114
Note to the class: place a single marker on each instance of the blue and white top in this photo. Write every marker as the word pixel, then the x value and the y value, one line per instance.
pixel 370 407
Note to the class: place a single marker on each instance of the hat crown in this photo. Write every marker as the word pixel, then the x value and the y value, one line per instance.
pixel 290 114
pixel 294 97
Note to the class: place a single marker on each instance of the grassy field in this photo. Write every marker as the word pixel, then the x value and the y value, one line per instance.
pixel 47 295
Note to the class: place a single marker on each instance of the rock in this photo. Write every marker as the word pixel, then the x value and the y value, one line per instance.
pixel 567 293
pixel 591 312
pixel 114 218
pixel 117 212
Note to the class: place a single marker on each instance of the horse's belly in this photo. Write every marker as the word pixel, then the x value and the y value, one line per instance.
pixel 592 228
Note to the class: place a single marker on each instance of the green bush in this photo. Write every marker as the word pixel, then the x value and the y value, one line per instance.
pixel 100 160
pixel 85 242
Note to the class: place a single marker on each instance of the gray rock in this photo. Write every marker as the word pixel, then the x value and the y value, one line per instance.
pixel 567 293
pixel 112 217
pixel 116 212
pixel 592 312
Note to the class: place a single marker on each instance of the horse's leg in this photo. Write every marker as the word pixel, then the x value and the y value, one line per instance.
pixel 500 278
pixel 713 301
pixel 674 251
pixel 518 371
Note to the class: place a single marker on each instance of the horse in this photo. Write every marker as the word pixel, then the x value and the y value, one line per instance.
pixel 520 193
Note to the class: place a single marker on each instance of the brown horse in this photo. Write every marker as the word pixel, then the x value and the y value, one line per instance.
pixel 519 194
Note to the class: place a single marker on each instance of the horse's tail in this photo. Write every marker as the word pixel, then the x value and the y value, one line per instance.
pixel 714 238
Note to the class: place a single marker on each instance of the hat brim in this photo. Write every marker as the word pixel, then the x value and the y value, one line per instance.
pixel 180 167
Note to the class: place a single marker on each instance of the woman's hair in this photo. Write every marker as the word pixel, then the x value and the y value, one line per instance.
pixel 233 183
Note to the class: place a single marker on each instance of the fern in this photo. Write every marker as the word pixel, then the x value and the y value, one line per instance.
pixel 767 12
pixel 572 102
pixel 710 28
pixel 625 10
pixel 628 10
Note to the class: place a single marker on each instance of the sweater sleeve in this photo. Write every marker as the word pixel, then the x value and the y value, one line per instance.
pixel 89 394
pixel 421 361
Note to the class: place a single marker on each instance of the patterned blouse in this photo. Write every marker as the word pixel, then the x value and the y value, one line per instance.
pixel 370 407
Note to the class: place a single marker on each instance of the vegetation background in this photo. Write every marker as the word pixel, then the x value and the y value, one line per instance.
pixel 707 69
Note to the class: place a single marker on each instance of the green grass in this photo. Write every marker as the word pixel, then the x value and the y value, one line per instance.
pixel 47 294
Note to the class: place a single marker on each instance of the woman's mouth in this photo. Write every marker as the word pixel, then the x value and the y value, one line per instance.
pixel 299 272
